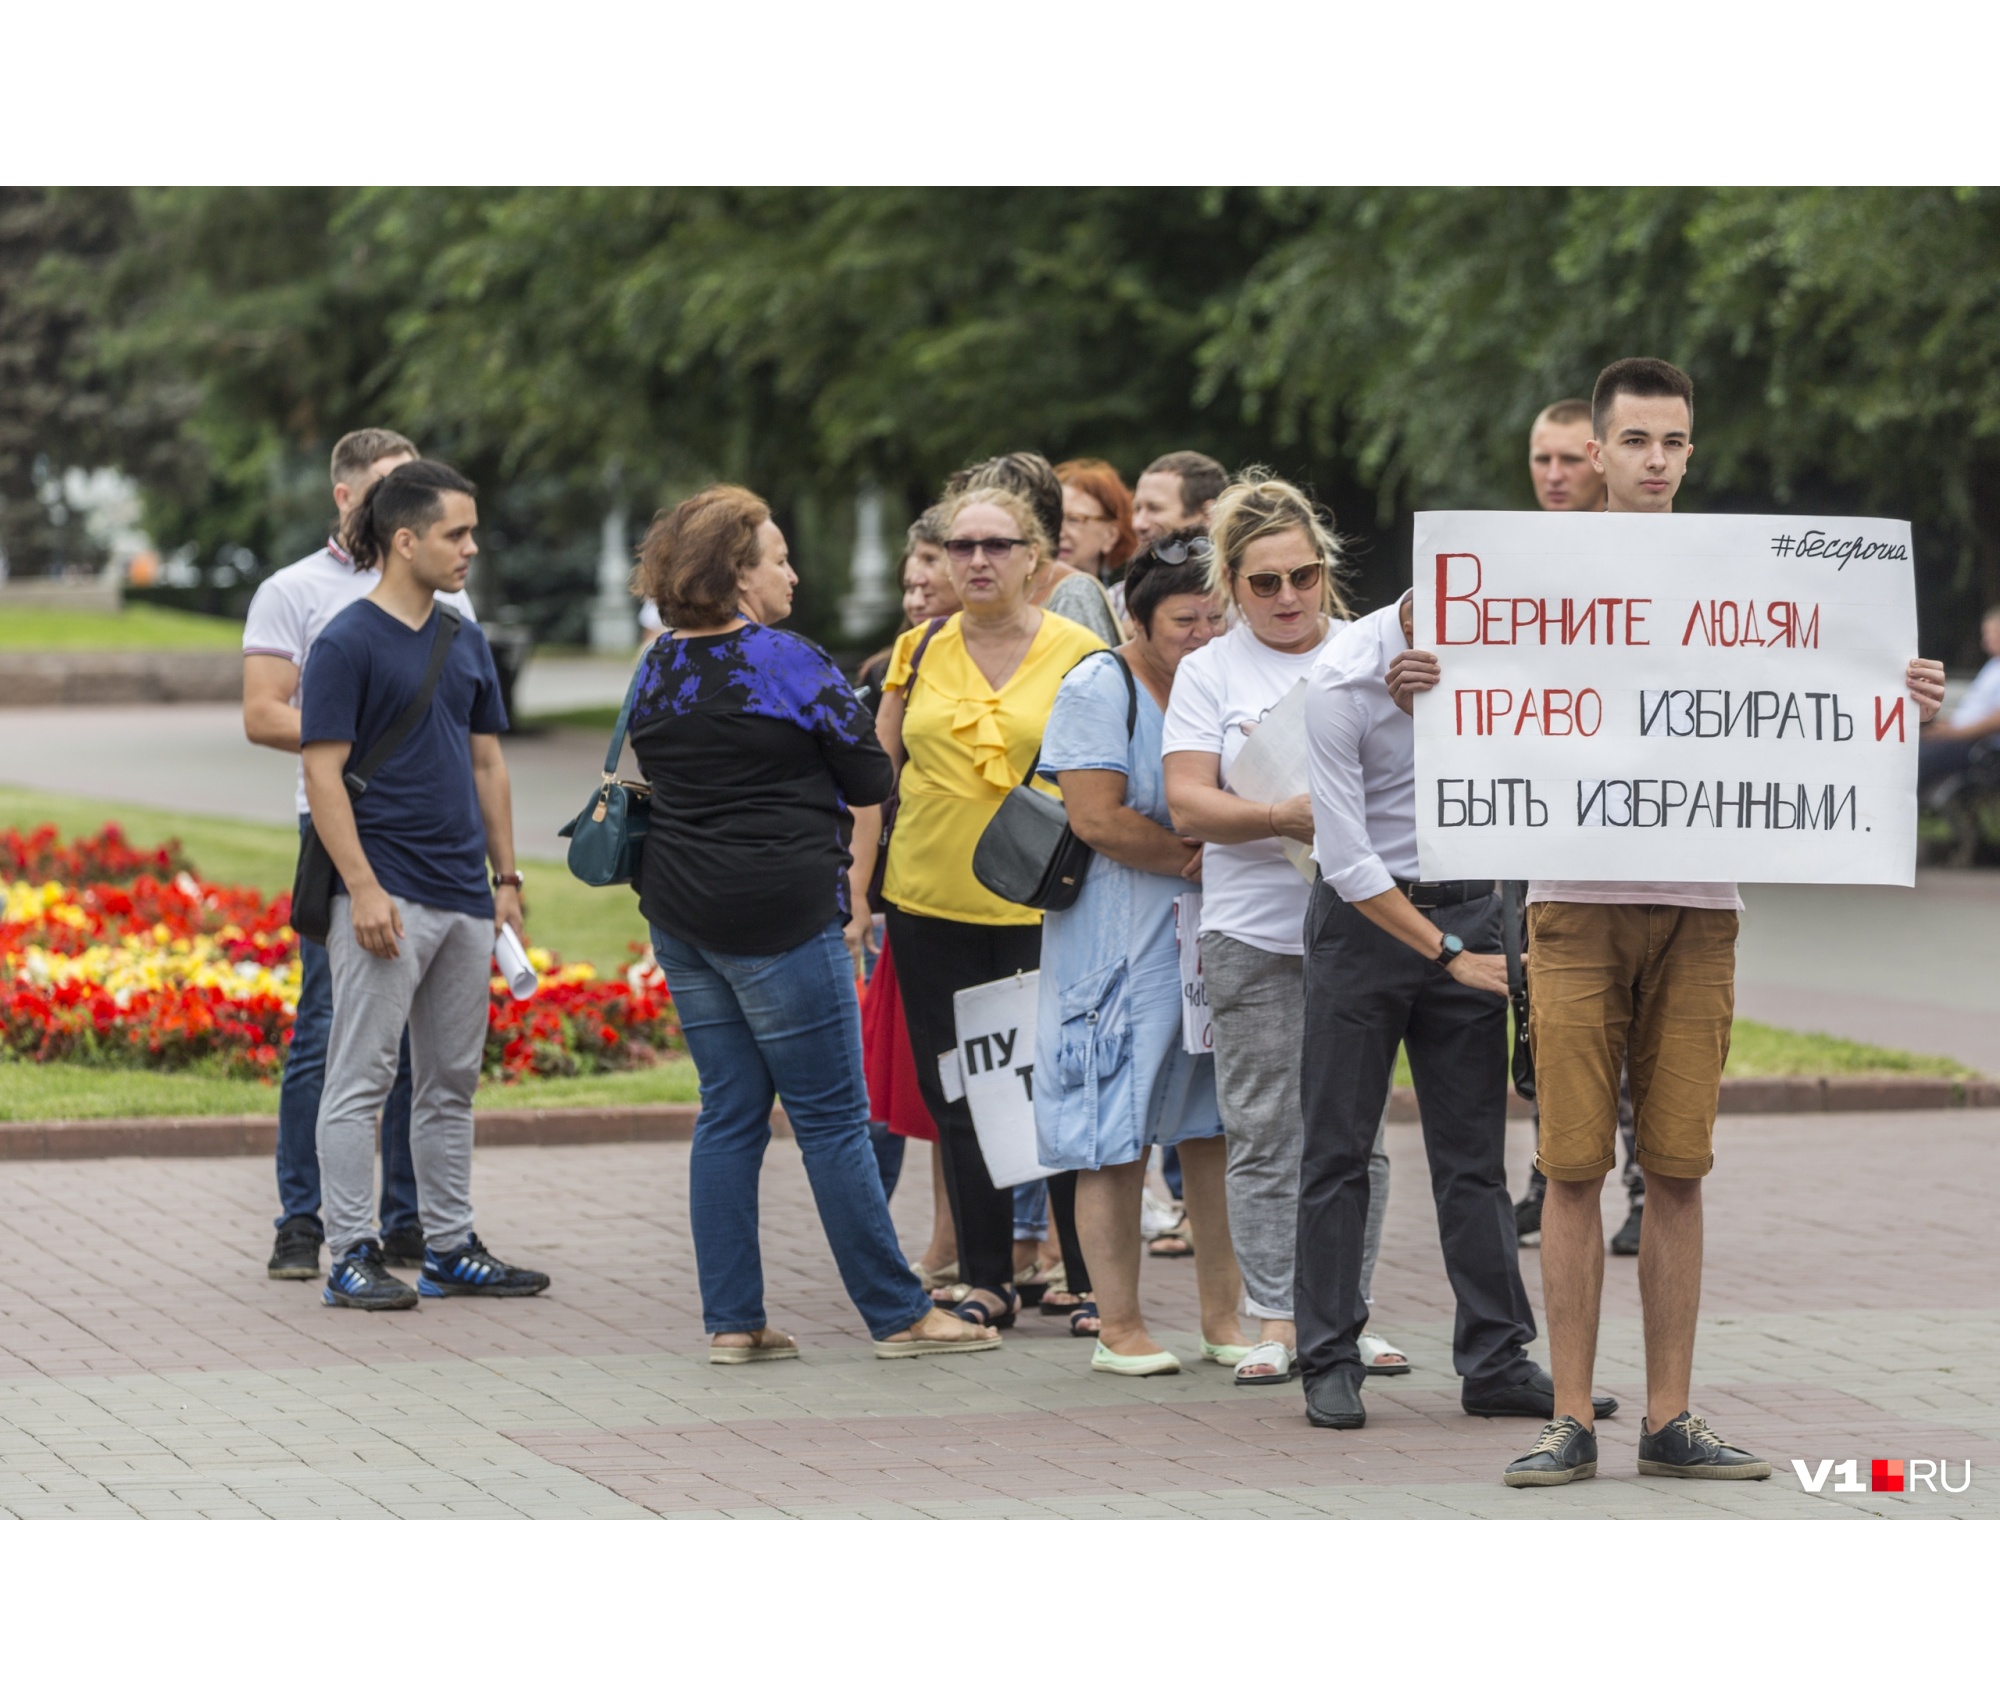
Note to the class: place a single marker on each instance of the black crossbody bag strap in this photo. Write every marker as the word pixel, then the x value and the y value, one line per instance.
pixel 397 733
pixel 1131 708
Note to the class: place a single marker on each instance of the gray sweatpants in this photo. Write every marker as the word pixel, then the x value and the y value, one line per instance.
pixel 438 986
pixel 1257 1000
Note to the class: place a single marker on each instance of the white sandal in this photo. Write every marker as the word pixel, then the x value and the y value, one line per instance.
pixel 1373 1348
pixel 1272 1354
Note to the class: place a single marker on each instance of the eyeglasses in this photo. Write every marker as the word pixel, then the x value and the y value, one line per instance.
pixel 1076 521
pixel 1178 551
pixel 999 550
pixel 1303 579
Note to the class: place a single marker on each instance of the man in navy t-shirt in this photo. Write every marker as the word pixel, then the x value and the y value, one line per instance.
pixel 414 920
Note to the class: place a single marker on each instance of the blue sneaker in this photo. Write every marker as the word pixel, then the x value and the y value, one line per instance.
pixel 472 1271
pixel 359 1282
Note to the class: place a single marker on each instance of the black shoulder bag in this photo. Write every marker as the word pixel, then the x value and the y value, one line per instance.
pixel 1513 922
pixel 1028 854
pixel 312 883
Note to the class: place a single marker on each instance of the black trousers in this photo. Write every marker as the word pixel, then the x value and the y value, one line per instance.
pixel 935 959
pixel 1365 994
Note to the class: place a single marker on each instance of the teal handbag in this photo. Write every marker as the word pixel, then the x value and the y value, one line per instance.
pixel 607 839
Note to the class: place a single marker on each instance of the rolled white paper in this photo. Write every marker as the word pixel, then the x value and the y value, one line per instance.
pixel 512 959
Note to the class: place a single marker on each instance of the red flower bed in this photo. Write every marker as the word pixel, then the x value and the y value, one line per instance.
pixel 121 956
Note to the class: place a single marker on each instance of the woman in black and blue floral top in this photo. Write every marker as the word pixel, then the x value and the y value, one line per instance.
pixel 756 749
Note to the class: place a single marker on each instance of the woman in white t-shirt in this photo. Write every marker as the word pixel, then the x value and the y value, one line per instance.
pixel 1274 557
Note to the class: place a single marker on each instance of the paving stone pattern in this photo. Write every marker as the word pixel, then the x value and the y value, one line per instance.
pixel 147 1366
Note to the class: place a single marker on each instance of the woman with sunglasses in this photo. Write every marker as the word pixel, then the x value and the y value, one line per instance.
pixel 962 723
pixel 1273 556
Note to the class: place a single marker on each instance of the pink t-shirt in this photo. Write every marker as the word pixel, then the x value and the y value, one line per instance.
pixel 1720 897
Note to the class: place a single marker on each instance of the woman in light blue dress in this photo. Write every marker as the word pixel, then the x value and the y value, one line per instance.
pixel 1111 1076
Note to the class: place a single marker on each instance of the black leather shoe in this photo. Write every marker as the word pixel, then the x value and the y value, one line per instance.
pixel 1688 1447
pixel 1534 1395
pixel 1333 1400
pixel 1566 1452
pixel 1625 1242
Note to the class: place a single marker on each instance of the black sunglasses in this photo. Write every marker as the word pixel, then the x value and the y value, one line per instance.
pixel 997 550
pixel 1304 578
pixel 1178 551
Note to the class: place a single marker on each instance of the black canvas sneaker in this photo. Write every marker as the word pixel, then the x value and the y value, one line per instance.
pixel 1688 1447
pixel 295 1255
pixel 1565 1452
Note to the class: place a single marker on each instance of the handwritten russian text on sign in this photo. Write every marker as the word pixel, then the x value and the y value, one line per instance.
pixel 996 1059
pixel 1704 698
pixel 1197 1021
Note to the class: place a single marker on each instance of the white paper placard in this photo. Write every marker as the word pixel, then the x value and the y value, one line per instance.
pixel 1271 768
pixel 1197 1023
pixel 1706 698
pixel 996 1057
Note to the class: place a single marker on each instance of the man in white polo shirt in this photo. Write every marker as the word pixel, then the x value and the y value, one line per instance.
pixel 288 613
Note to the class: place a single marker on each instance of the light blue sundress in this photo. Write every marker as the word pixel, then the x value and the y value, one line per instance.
pixel 1111 1076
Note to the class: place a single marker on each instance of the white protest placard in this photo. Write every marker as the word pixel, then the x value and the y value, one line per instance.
pixel 1704 698
pixel 1197 1022
pixel 1272 766
pixel 996 1059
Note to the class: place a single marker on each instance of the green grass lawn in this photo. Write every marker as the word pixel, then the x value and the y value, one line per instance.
pixel 60 1090
pixel 568 917
pixel 136 628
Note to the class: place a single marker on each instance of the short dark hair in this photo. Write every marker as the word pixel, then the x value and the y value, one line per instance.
pixel 408 496
pixel 693 555
pixel 357 452
pixel 1202 478
pixel 1560 414
pixel 1637 376
pixel 1150 580
pixel 1027 472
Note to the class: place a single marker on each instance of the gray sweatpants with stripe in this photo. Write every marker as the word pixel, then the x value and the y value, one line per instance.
pixel 1258 1002
pixel 438 986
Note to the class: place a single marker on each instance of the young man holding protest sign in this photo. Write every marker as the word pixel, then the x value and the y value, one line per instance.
pixel 1651 964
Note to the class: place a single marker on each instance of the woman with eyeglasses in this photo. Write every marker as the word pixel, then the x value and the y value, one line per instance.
pixel 963 709
pixel 1273 556
pixel 1111 1076
pixel 1097 537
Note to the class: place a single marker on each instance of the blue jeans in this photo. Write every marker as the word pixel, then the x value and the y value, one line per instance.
pixel 782 1025
pixel 298 1107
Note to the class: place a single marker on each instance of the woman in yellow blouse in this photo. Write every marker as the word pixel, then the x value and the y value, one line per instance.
pixel 963 722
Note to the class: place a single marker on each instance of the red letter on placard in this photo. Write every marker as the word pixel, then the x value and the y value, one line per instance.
pixel 1883 723
pixel 1447 597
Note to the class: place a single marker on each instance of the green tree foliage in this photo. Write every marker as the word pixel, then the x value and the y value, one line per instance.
pixel 60 404
pixel 575 347
pixel 1845 347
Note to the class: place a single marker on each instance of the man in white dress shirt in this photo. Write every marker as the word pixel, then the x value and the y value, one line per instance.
pixel 1390 962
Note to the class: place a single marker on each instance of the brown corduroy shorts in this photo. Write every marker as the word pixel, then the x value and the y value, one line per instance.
pixel 1655 985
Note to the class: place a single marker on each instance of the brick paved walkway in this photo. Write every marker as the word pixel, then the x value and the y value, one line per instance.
pixel 147 1366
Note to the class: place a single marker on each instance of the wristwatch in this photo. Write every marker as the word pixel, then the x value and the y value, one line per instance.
pixel 508 880
pixel 1449 950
